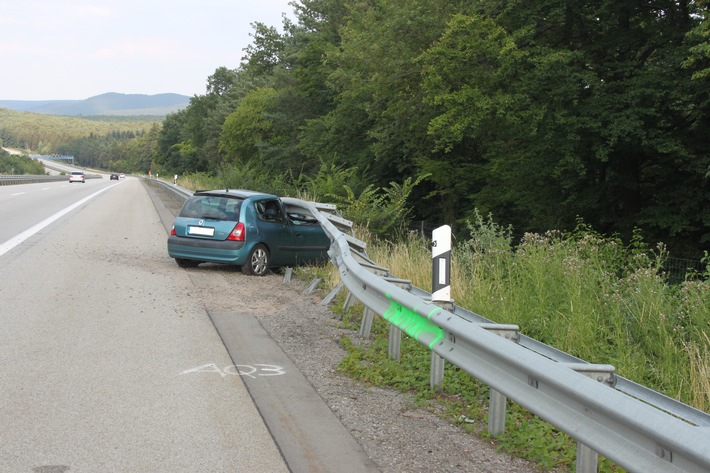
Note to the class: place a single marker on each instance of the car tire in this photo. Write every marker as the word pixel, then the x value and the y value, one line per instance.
pixel 257 262
pixel 186 263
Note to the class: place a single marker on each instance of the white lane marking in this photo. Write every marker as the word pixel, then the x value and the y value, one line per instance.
pixel 18 193
pixel 16 240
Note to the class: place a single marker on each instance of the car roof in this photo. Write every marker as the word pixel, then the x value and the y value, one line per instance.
pixel 240 193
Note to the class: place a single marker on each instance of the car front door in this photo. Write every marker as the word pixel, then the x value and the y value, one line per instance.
pixel 274 231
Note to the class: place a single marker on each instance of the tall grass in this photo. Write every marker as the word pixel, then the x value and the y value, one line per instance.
pixel 582 293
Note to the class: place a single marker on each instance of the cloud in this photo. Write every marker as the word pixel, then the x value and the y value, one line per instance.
pixel 93 11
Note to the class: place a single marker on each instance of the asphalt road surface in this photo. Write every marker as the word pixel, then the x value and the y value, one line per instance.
pixel 101 345
pixel 114 359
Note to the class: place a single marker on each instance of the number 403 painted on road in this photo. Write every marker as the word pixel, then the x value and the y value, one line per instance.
pixel 239 370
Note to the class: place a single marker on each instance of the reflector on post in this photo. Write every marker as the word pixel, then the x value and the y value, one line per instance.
pixel 441 264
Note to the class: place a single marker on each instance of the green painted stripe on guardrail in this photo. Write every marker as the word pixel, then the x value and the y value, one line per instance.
pixel 413 324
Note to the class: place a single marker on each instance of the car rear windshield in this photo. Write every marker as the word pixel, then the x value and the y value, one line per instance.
pixel 212 207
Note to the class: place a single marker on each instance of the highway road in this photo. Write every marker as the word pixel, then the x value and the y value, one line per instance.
pixel 24 206
pixel 97 334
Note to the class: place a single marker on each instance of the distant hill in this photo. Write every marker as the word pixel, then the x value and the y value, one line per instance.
pixel 105 104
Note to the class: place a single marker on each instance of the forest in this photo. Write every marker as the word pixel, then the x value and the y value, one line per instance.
pixel 542 114
pixel 45 134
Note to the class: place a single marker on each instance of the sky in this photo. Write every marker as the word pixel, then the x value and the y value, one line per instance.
pixel 76 49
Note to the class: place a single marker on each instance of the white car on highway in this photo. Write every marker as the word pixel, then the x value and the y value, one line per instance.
pixel 77 176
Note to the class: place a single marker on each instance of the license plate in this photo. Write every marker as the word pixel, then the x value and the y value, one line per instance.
pixel 202 231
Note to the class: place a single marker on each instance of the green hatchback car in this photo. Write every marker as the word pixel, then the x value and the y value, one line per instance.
pixel 253 230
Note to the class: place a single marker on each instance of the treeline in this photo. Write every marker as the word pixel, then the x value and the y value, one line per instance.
pixel 46 134
pixel 122 151
pixel 540 113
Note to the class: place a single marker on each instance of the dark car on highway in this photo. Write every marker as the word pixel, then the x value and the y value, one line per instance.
pixel 250 229
pixel 114 176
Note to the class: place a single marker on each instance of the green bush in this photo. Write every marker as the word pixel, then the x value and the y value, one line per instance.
pixel 385 212
pixel 17 164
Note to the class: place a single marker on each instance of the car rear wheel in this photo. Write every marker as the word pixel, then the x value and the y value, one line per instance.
pixel 186 263
pixel 258 261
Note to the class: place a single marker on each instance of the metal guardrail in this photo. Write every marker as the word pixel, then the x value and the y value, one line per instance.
pixel 576 397
pixel 179 191
pixel 9 180
pixel 633 426
pixel 647 395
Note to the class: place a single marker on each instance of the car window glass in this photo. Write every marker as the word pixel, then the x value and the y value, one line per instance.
pixel 211 207
pixel 300 216
pixel 269 211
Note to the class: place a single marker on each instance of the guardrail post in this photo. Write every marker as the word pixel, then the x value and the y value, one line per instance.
pixel 311 287
pixel 587 460
pixel 496 413
pixel 497 402
pixel 366 323
pixel 437 367
pixel 331 295
pixel 287 274
pixel 395 343
pixel 436 373
pixel 349 301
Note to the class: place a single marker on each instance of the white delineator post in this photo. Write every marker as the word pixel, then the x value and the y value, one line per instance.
pixel 441 264
pixel 440 292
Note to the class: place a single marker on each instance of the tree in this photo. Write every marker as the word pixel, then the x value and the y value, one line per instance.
pixel 698 58
pixel 248 127
pixel 575 108
pixel 294 64
pixel 379 119
pixel 266 51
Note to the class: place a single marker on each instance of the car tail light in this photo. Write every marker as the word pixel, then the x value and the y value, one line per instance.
pixel 238 233
pixel 172 231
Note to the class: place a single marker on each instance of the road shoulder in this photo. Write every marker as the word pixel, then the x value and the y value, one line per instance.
pixel 310 437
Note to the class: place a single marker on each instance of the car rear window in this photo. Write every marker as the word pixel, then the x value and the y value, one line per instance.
pixel 212 207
